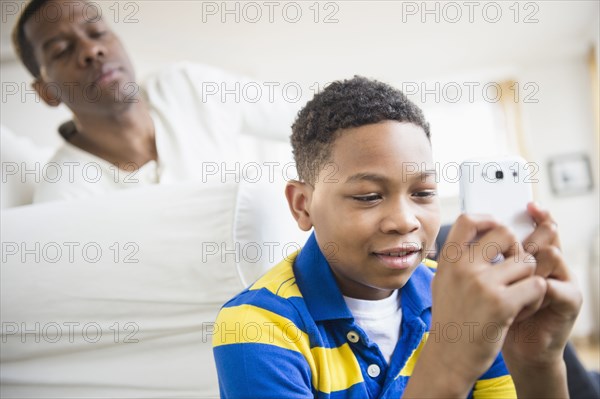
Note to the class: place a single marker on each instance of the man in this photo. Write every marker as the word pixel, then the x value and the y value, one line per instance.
pixel 119 136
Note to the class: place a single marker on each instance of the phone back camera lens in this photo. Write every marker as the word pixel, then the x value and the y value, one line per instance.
pixel 499 174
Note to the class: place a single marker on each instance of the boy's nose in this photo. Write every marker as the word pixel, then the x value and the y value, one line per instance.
pixel 401 220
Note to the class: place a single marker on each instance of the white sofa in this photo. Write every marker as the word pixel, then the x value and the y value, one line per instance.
pixel 115 296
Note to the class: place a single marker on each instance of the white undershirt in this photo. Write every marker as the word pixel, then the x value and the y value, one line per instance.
pixel 380 319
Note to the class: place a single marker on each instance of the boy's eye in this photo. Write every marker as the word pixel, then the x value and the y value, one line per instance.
pixel 367 198
pixel 426 194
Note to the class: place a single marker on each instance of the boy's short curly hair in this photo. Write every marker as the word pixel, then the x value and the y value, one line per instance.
pixel 345 104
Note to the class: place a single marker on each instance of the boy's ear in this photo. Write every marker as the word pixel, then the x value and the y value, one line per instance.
pixel 298 195
pixel 49 93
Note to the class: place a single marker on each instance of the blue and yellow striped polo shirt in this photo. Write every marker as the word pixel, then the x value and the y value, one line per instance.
pixel 291 335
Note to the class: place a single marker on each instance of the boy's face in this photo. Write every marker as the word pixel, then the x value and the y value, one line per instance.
pixel 374 207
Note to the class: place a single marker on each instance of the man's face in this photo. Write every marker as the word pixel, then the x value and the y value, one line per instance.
pixel 83 64
pixel 374 207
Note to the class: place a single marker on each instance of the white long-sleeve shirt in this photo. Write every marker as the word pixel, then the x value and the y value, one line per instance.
pixel 199 113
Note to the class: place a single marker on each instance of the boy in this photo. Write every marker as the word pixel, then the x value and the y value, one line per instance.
pixel 357 312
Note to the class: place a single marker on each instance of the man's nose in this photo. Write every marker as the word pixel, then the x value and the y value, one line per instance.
pixel 90 51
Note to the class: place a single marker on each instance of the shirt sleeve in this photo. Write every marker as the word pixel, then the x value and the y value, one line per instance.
pixel 495 383
pixel 260 354
pixel 271 116
pixel 264 109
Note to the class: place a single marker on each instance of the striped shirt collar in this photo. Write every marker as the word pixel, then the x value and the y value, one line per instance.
pixel 324 298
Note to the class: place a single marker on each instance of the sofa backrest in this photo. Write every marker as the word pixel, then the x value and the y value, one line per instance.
pixel 115 296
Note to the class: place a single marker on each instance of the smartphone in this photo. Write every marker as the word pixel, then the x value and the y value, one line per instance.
pixel 500 187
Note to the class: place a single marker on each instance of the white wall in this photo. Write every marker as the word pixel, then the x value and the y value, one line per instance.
pixel 385 41
pixel 382 39
pixel 562 123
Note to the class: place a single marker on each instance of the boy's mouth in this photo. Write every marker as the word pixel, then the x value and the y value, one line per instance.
pixel 398 254
pixel 399 258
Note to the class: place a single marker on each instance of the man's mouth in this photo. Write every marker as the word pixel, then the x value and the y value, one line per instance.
pixel 106 74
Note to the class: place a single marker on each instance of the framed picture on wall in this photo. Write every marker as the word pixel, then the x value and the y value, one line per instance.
pixel 570 174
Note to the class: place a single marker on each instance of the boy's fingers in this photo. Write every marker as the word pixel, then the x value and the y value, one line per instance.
pixel 551 263
pixel 464 231
pixel 480 238
pixel 467 227
pixel 538 213
pixel 565 297
pixel 498 240
pixel 546 231
pixel 528 293
pixel 511 270
pixel 530 310
pixel 544 234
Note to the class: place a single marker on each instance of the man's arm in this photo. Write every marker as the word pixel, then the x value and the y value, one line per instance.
pixel 273 115
pixel 263 109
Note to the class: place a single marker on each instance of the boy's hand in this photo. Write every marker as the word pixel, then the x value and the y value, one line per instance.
pixel 478 299
pixel 537 339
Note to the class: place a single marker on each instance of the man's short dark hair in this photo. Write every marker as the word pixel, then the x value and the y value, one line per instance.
pixel 23 47
pixel 345 104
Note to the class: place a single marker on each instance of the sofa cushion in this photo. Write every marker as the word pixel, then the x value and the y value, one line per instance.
pixel 115 296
